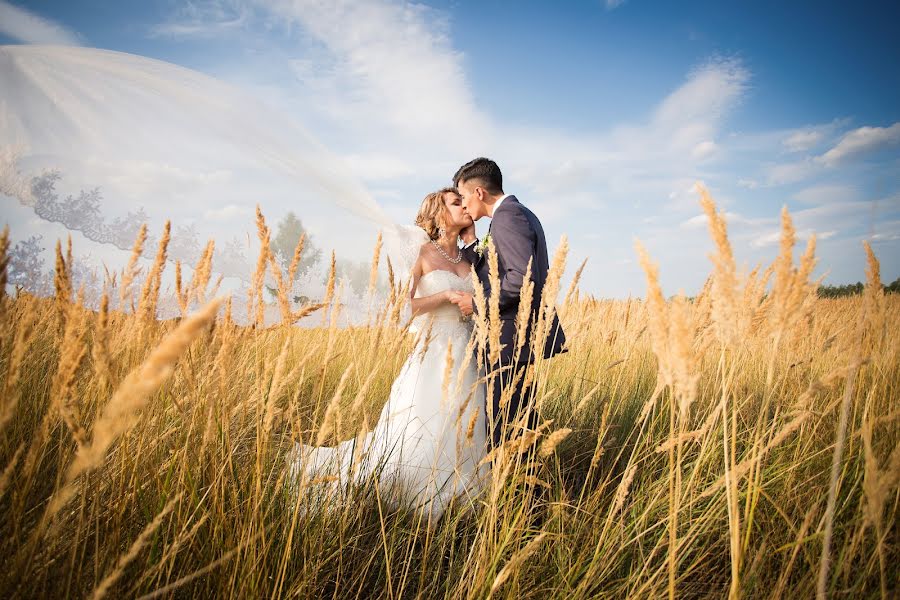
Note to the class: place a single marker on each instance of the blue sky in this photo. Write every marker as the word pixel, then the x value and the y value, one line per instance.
pixel 601 114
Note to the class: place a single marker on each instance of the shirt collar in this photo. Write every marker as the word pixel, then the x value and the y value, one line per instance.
pixel 500 201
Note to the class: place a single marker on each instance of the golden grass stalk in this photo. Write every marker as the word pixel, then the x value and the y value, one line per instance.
pixel 71 353
pixel 150 291
pixel 120 414
pixel 480 314
pixel 535 481
pixel 180 295
pixel 275 387
pixel 203 272
pixel 877 486
pixel 657 315
pixel 391 282
pixel 101 590
pixel 63 284
pixel 784 268
pixel 373 274
pixel 873 302
pixel 599 450
pixel 255 295
pixel 623 489
pixel 548 446
pixel 100 345
pixel 332 277
pixel 331 422
pixel 10 468
pixel 306 311
pixel 825 561
pixel 295 259
pixel 516 561
pixel 132 269
pixel 547 309
pixel 523 315
pixel 573 287
pixel 282 290
pixel 448 374
pixel 22 339
pixel 725 301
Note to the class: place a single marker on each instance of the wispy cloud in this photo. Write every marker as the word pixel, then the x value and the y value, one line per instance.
pixel 772 238
pixel 30 28
pixel 203 19
pixel 827 194
pixel 791 172
pixel 389 66
pixel 803 140
pixel 862 141
pixel 613 4
pixel 384 84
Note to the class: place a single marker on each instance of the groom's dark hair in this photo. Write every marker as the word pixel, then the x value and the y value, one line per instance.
pixel 483 169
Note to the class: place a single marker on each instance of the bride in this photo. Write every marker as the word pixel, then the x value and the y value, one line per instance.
pixel 429 441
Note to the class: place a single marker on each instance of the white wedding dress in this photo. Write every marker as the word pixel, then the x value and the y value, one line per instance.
pixel 427 445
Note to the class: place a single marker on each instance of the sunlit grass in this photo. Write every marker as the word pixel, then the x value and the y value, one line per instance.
pixel 146 457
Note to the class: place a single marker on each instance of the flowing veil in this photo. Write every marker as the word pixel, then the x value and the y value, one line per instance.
pixel 98 141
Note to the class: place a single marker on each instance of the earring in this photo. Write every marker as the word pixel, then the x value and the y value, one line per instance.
pixel 442 232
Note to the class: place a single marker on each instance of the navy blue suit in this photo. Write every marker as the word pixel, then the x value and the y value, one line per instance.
pixel 518 237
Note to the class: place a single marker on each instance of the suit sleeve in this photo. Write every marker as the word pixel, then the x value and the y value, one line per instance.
pixel 515 242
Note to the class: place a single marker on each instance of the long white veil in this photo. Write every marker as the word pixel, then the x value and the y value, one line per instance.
pixel 98 141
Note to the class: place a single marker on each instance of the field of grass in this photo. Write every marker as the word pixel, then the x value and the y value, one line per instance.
pixel 743 443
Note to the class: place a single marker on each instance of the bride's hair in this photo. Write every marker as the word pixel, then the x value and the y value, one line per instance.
pixel 433 212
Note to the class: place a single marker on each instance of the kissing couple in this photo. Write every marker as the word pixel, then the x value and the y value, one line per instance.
pixel 430 443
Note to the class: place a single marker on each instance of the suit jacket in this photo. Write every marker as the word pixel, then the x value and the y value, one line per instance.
pixel 518 236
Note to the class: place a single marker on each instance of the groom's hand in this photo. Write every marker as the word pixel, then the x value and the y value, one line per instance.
pixel 464 302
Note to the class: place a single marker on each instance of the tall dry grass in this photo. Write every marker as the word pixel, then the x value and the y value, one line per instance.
pixel 744 442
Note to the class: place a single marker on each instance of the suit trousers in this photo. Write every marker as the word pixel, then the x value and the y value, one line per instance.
pixel 500 418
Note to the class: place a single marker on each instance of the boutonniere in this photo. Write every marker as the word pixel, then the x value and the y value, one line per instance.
pixel 482 245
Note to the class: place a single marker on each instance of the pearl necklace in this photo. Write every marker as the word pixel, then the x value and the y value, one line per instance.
pixel 447 256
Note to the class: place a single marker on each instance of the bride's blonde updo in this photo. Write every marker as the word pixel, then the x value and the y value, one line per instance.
pixel 433 212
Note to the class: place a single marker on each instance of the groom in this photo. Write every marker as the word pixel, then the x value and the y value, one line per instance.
pixel 518 237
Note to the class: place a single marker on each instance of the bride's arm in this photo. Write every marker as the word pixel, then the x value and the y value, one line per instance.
pixel 426 304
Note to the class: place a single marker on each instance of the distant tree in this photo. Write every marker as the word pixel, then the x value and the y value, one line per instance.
pixel 289 230
pixel 185 244
pixel 355 273
pixel 852 289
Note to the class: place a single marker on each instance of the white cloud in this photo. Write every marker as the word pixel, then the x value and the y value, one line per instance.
pixel 704 150
pixel 861 141
pixel 731 219
pixel 709 93
pixel 827 194
pixel 793 172
pixel 384 84
pixel 387 66
pixel 375 167
pixel 772 238
pixel 229 212
pixel 203 19
pixel 26 26
pixel 803 139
